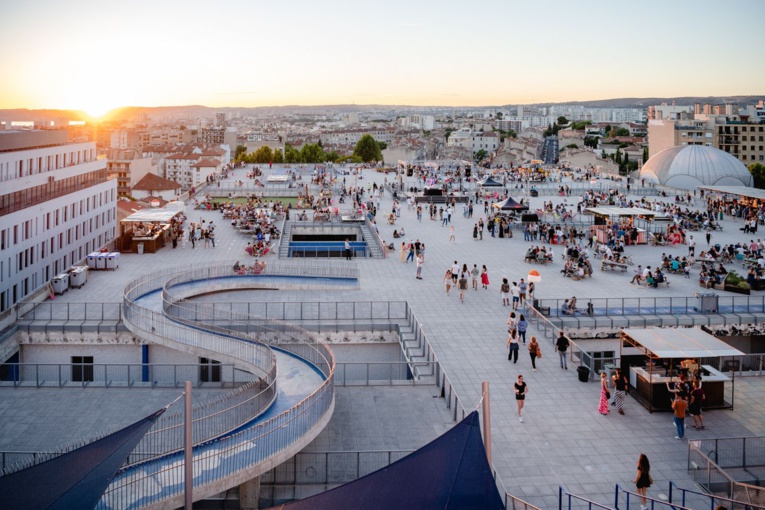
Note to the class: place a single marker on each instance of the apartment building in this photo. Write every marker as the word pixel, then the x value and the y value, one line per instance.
pixel 736 135
pixel 127 167
pixel 352 136
pixel 56 206
pixel 488 142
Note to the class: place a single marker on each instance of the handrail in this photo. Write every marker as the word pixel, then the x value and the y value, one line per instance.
pixel 271 436
pixel 713 499
pixel 652 502
pixel 562 492
pixel 378 238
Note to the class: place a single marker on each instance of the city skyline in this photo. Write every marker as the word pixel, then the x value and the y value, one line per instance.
pixel 84 56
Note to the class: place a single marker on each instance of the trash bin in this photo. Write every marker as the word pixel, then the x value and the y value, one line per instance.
pixel 584 373
pixel 60 283
pixel 140 248
pixel 113 260
pixel 706 302
pixel 78 276
pixel 93 260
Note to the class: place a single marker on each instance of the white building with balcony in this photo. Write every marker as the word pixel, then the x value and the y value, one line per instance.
pixel 56 206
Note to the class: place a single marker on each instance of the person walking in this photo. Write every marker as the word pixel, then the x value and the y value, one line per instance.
pixel 484 277
pixel 452 239
pixel 523 288
pixel 516 293
pixel 403 251
pixel 604 394
pixel 643 479
pixel 679 406
pixel 694 409
pixel 522 325
pixel 535 351
pixel 463 285
pixel 411 252
pixel 512 346
pixel 708 235
pixel 691 247
pixel 448 280
pixel 475 232
pixel 504 291
pixel 521 389
pixel 474 273
pixel 420 261
pixel 620 389
pixel 561 346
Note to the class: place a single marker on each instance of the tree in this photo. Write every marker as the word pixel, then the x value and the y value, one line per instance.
pixel 263 155
pixel 291 154
pixel 562 120
pixel 278 156
pixel 758 173
pixel 645 154
pixel 331 156
pixel 607 129
pixel 311 153
pixel 480 156
pixel 591 142
pixel 618 157
pixel 367 149
pixel 239 152
pixel 603 154
pixel 621 132
pixel 320 144
pixel 499 115
pixel 382 146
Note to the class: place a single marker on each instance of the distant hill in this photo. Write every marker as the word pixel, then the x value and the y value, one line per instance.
pixel 199 111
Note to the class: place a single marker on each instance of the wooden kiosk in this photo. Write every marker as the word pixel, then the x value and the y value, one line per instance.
pixel 657 356
pixel 149 228
pixel 623 218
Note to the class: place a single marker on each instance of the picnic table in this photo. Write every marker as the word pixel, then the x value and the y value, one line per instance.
pixel 613 266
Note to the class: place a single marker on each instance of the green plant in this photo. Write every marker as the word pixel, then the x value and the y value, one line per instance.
pixel 734 279
pixel 744 285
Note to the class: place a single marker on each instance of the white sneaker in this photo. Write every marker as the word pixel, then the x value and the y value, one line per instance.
pixel 520 418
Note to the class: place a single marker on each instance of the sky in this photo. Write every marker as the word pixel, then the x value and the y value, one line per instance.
pixel 98 55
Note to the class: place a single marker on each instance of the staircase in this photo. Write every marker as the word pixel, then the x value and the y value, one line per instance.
pixel 374 248
pixel 284 240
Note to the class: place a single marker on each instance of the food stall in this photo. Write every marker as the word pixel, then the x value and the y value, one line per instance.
pixel 621 219
pixel 147 230
pixel 657 357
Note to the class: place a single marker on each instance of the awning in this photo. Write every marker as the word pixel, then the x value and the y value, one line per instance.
pixel 510 205
pixel 151 216
pixel 489 183
pixel 742 191
pixel 450 473
pixel 76 479
pixel 668 343
pixel 625 211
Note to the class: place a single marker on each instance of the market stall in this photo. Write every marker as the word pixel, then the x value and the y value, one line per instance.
pixel 658 356
pixel 621 221
pixel 147 230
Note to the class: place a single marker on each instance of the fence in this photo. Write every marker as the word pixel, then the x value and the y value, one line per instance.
pixel 569 501
pixel 376 237
pixel 635 498
pixel 396 373
pixel 121 375
pixel 696 499
pixel 228 455
pixel 736 456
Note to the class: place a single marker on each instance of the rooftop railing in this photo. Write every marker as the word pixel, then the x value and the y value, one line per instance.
pixel 735 454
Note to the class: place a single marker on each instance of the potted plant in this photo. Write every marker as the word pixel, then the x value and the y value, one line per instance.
pixel 734 283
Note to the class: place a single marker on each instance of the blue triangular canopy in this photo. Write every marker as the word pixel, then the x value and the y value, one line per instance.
pixel 76 479
pixel 450 473
pixel 489 182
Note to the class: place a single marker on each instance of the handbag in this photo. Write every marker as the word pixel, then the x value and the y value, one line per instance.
pixel 539 352
pixel 608 395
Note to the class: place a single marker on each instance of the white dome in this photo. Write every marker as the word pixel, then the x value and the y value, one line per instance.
pixel 689 166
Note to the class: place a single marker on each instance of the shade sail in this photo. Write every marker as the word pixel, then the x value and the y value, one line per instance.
pixel 450 473
pixel 151 216
pixel 670 343
pixel 510 205
pixel 489 182
pixel 742 191
pixel 76 479
pixel 625 211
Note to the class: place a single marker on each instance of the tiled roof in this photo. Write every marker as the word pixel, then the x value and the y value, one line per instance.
pixel 206 163
pixel 153 182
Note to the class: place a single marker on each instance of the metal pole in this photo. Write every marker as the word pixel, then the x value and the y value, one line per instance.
pixel 486 420
pixel 188 478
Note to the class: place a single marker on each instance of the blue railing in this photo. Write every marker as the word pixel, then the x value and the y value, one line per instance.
pixel 623 307
pixel 565 499
pixel 688 496
pixel 652 503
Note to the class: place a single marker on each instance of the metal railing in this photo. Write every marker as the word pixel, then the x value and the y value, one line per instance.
pixel 567 499
pixel 326 252
pixel 607 307
pixel 635 497
pixel 376 235
pixel 699 500
pixel 317 310
pixel 65 312
pixel 398 373
pixel 227 455
pixel 122 375
pixel 715 480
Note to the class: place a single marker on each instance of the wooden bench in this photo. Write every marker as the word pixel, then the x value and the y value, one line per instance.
pixel 535 260
pixel 613 266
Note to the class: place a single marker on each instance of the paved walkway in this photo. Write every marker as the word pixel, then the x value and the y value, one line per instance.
pixel 563 439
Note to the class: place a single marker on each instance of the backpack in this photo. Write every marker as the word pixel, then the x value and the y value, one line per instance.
pixel 522 325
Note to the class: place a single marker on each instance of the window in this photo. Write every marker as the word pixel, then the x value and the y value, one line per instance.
pixel 82 368
pixel 209 370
